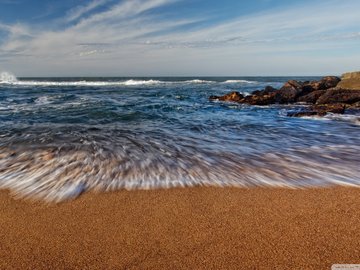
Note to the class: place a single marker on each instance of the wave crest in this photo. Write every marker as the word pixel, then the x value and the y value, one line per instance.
pixel 8 78
pixel 239 81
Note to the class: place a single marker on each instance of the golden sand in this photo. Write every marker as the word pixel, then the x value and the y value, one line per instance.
pixel 192 228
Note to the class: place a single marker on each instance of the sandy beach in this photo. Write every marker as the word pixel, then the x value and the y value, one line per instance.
pixel 194 228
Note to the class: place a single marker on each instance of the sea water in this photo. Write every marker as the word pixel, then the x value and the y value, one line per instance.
pixel 60 137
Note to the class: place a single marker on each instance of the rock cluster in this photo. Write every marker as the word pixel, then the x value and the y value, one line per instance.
pixel 350 80
pixel 324 96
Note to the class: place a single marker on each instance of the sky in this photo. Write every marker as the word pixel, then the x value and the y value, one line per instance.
pixel 179 37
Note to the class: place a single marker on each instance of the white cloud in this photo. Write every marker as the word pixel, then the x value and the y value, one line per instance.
pixel 78 12
pixel 127 39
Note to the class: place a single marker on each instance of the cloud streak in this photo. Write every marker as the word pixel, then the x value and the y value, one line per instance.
pixel 132 38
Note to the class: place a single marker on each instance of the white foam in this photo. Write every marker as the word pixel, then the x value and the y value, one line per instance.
pixel 198 81
pixel 8 78
pixel 82 83
pixel 239 81
pixel 146 82
pixel 351 118
pixel 355 119
pixel 130 82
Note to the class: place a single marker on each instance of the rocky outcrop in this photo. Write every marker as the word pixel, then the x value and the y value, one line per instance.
pixel 312 97
pixel 350 81
pixel 338 95
pixel 325 95
pixel 268 90
pixel 261 99
pixel 289 92
pixel 353 108
pixel 233 96
pixel 320 110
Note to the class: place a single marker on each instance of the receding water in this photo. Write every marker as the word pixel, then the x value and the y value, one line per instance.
pixel 60 137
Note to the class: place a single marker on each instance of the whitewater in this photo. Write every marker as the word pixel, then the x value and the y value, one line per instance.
pixel 61 137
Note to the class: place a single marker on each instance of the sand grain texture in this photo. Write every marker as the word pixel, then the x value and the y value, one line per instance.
pixel 194 228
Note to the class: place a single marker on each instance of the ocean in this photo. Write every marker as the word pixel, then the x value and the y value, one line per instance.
pixel 60 137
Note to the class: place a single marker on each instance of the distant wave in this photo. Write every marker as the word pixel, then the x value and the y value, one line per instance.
pixel 239 81
pixel 130 82
pixel 10 79
pixel 82 83
pixel 198 81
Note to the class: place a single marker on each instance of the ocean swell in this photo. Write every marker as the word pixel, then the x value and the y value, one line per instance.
pixel 62 137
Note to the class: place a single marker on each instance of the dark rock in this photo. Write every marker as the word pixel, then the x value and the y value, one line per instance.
pixel 260 99
pixel 350 81
pixel 329 82
pixel 337 95
pixel 312 97
pixel 233 96
pixel 329 108
pixel 320 110
pixel 268 89
pixel 289 92
pixel 353 109
pixel 324 84
pixel 302 113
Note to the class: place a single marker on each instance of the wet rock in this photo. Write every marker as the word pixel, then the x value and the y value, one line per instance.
pixel 268 90
pixel 353 109
pixel 260 99
pixel 328 82
pixel 320 110
pixel 233 96
pixel 324 84
pixel 350 81
pixel 337 95
pixel 312 97
pixel 289 92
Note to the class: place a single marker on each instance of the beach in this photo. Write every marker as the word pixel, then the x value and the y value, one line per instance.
pixel 190 228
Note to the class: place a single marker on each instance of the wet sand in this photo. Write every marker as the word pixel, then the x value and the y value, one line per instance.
pixel 193 228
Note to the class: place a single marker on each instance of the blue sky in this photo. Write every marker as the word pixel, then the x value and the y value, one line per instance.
pixel 179 37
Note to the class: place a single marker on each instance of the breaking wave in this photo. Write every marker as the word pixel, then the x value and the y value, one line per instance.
pixel 239 81
pixel 8 78
pixel 57 142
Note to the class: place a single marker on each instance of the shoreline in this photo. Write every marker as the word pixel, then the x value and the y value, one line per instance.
pixel 196 228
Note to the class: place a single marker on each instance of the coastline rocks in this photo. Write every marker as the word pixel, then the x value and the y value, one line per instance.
pixel 325 83
pixel 320 110
pixel 289 92
pixel 326 95
pixel 350 81
pixel 268 90
pixel 233 96
pixel 337 95
pixel 311 97
pixel 265 99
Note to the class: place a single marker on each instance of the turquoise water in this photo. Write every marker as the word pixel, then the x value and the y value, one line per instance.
pixel 60 137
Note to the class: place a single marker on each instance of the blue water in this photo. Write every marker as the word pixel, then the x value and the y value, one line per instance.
pixel 60 137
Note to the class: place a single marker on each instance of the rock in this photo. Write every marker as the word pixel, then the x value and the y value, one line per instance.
pixel 355 105
pixel 350 81
pixel 329 82
pixel 289 92
pixel 312 97
pixel 324 84
pixel 302 113
pixel 329 108
pixel 320 110
pixel 260 99
pixel 233 96
pixel 268 89
pixel 353 109
pixel 337 95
